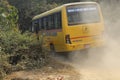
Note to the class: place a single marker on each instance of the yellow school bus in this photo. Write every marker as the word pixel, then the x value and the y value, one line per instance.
pixel 70 27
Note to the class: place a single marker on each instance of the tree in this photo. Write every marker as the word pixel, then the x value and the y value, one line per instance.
pixel 8 16
pixel 29 8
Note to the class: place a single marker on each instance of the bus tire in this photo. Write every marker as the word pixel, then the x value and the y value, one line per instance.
pixel 52 49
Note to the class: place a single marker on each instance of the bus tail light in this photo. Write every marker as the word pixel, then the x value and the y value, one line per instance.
pixel 67 38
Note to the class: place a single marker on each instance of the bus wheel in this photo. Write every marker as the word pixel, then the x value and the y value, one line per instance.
pixel 52 50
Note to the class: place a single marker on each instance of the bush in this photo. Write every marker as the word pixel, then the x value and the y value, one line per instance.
pixel 20 51
pixel 13 41
pixel 17 51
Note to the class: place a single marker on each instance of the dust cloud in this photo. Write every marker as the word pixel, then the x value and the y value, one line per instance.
pixel 102 63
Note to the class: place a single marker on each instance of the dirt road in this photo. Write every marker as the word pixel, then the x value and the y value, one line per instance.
pixel 56 70
pixel 42 75
pixel 98 74
pixel 97 65
pixel 101 64
pixel 67 73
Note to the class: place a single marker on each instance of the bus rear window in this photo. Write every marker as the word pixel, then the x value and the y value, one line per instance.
pixel 83 14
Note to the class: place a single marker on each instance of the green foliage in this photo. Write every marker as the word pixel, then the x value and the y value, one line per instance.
pixel 12 41
pixel 8 16
pixel 17 52
pixel 5 67
pixel 8 22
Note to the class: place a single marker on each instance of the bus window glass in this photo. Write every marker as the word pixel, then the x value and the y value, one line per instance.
pixel 59 20
pixel 55 19
pixel 49 22
pixel 52 22
pixel 39 24
pixel 42 24
pixel 80 14
pixel 36 26
pixel 46 22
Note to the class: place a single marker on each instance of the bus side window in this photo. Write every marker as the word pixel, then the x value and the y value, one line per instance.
pixel 42 24
pixel 49 22
pixel 46 22
pixel 39 24
pixel 36 27
pixel 58 24
pixel 52 22
pixel 55 19
pixel 59 20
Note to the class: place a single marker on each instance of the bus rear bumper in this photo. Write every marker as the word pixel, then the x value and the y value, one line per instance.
pixel 75 47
